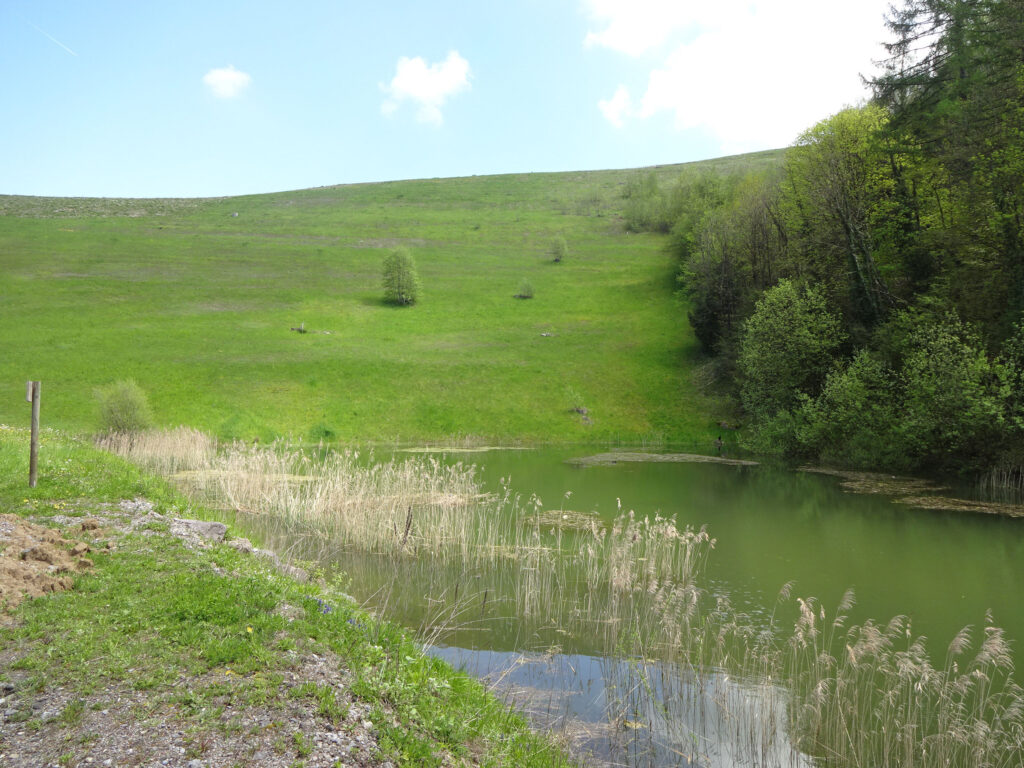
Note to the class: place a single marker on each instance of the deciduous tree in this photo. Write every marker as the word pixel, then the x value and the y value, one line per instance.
pixel 401 281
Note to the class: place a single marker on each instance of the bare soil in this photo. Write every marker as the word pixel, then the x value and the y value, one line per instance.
pixel 35 560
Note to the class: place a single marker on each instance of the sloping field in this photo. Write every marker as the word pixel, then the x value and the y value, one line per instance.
pixel 196 299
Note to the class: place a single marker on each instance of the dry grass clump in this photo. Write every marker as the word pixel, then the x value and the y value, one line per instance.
pixel 399 506
pixel 164 451
pixel 634 585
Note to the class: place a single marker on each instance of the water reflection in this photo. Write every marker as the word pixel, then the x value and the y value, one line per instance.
pixel 634 712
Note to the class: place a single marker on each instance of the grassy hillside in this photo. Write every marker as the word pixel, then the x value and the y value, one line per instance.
pixel 196 303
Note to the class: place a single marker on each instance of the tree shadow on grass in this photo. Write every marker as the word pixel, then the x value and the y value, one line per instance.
pixel 380 301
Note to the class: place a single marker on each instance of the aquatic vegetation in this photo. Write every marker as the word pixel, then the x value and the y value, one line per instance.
pixel 602 459
pixel 691 678
pixel 164 451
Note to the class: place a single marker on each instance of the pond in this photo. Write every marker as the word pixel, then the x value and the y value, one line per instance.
pixel 772 526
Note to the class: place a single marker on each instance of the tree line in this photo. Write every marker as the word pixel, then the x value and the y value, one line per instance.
pixel 864 302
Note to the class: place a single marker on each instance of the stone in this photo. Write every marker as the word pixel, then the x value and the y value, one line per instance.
pixel 204 529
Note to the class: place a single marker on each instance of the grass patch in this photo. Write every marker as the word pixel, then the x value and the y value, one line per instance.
pixel 196 306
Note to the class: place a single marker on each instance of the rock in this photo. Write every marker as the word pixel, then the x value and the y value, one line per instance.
pixel 136 507
pixel 204 529
pixel 242 545
pixel 147 519
pixel 299 574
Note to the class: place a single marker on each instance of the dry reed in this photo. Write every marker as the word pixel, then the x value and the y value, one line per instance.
pixel 164 451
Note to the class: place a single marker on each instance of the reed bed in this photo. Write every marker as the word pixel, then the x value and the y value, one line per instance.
pixel 871 696
pixel 718 686
pixel 409 506
pixel 163 451
pixel 1005 482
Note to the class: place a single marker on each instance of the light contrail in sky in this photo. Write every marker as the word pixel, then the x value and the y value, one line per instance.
pixel 49 36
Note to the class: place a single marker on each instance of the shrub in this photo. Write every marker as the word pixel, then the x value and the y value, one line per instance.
pixel 787 348
pixel 854 419
pixel 953 406
pixel 401 281
pixel 559 249
pixel 123 407
pixel 525 290
pixel 1011 363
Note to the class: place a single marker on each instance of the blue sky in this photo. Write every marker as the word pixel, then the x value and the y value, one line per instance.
pixel 222 98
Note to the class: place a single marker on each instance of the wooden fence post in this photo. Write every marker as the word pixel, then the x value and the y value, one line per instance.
pixel 32 394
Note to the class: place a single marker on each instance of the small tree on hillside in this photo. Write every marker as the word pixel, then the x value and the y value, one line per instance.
pixel 401 281
pixel 559 249
pixel 123 407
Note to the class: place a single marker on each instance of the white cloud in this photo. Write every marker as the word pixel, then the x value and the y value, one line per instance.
pixel 637 26
pixel 752 73
pixel 426 86
pixel 226 83
pixel 618 107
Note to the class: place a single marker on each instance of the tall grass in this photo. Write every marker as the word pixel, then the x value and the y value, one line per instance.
pixel 1004 482
pixel 815 691
pixel 164 451
pixel 408 506
pixel 871 696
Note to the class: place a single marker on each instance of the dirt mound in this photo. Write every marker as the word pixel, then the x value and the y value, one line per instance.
pixel 35 560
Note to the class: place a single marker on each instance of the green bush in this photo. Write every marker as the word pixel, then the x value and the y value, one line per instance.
pixel 559 249
pixel 123 407
pixel 525 290
pixel 401 281
pixel 854 419
pixel 1011 368
pixel 953 404
pixel 787 348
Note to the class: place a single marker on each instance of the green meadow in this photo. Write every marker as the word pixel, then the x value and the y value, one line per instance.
pixel 196 299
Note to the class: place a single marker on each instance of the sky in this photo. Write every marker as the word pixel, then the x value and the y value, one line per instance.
pixel 194 99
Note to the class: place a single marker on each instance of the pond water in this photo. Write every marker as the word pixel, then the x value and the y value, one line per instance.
pixel 943 570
